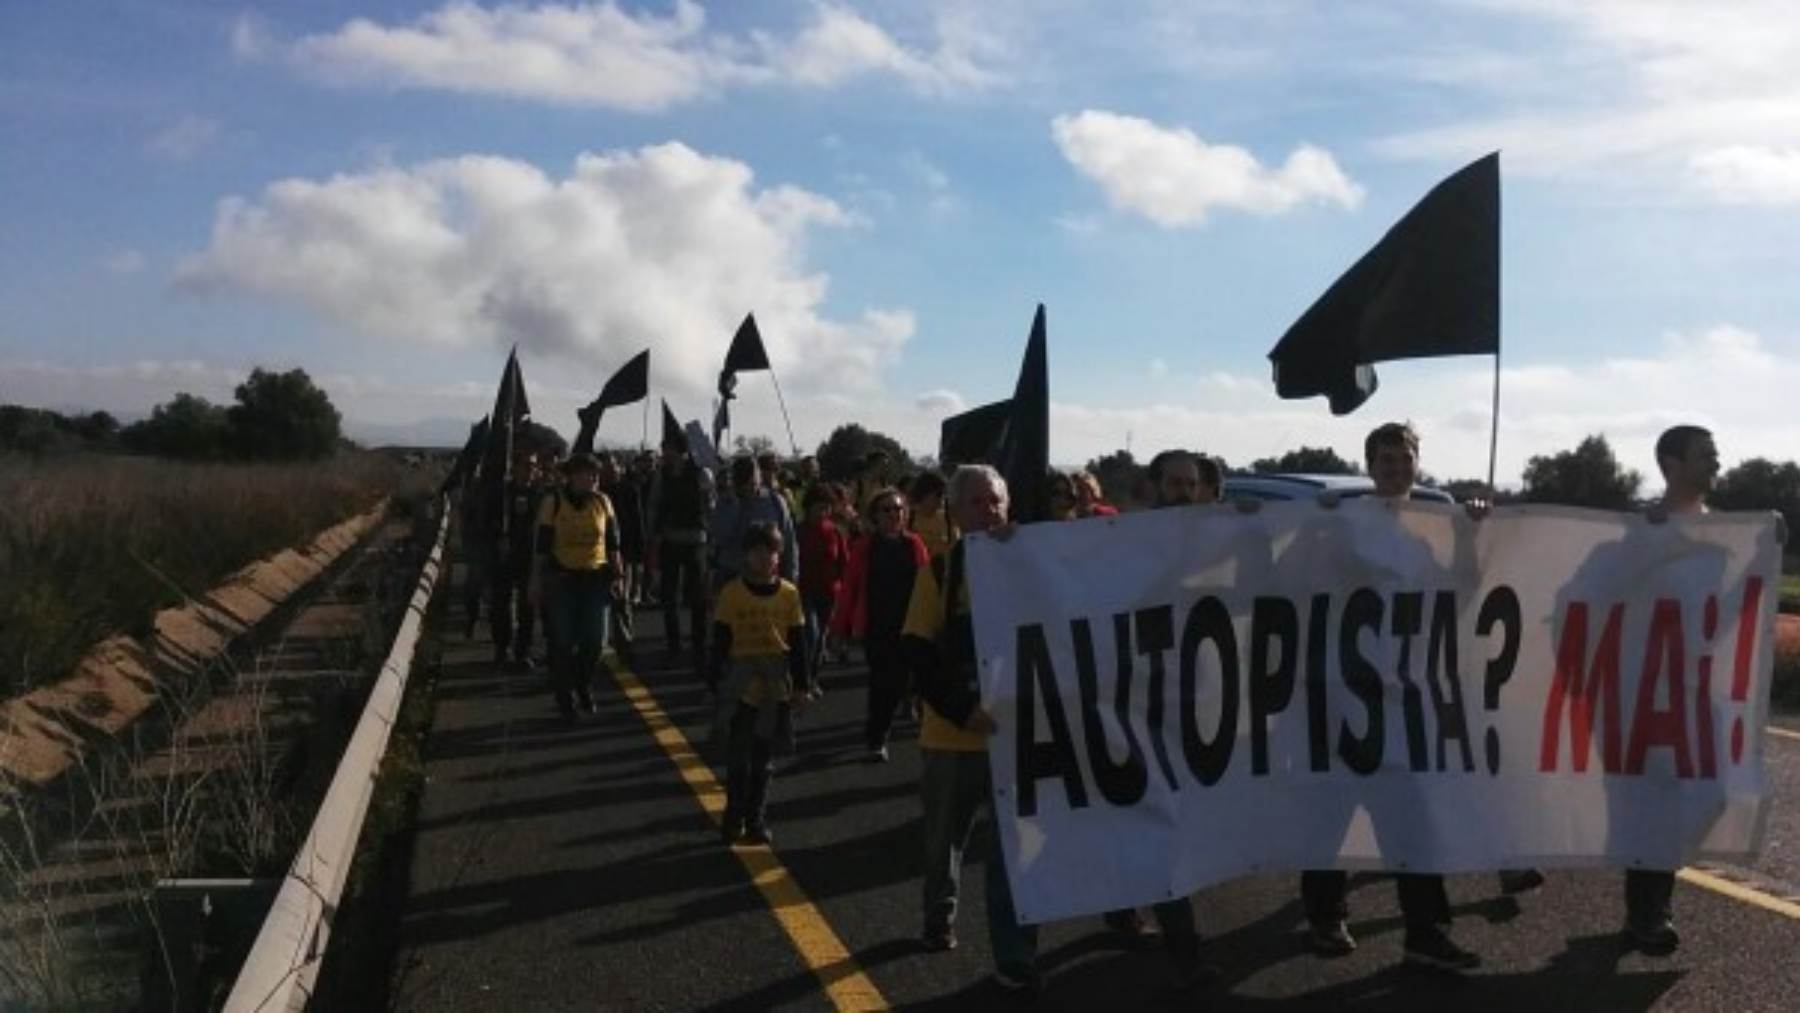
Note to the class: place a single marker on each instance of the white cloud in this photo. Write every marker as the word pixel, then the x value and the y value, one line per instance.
pixel 663 246
pixel 1174 178
pixel 250 38
pixel 1665 89
pixel 1544 409
pixel 183 140
pixel 1078 225
pixel 600 54
pixel 840 44
pixel 123 262
pixel 940 402
pixel 1744 174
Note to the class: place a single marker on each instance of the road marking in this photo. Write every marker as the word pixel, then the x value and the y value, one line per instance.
pixel 1786 733
pixel 1738 891
pixel 824 953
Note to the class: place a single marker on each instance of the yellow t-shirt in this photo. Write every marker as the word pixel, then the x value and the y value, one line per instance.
pixel 934 530
pixel 577 534
pixel 759 624
pixel 925 620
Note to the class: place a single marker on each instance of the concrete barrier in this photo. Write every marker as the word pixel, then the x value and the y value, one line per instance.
pixel 283 965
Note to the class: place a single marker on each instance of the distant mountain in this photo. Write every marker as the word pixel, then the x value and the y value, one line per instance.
pixel 446 432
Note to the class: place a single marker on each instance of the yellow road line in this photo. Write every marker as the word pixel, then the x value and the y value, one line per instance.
pixel 1785 733
pixel 1738 891
pixel 848 987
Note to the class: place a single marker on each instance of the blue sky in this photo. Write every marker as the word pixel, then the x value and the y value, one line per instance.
pixel 392 194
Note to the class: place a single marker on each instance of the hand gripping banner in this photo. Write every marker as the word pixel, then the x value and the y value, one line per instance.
pixel 1188 695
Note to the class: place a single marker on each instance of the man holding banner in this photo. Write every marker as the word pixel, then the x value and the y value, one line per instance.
pixel 937 641
pixel 1391 454
pixel 1689 462
pixel 1183 697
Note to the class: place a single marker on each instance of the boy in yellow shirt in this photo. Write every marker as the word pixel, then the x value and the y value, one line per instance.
pixel 759 672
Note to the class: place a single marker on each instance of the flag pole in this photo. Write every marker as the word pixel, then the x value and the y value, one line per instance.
pixel 1494 424
pixel 784 412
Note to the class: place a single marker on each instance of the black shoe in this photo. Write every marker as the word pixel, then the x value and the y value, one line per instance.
pixel 731 829
pixel 1436 950
pixel 587 704
pixel 758 832
pixel 1517 881
pixel 1653 937
pixel 876 754
pixel 939 940
pixel 1331 939
pixel 1133 930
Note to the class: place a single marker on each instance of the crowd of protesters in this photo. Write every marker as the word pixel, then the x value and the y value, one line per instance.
pixel 776 571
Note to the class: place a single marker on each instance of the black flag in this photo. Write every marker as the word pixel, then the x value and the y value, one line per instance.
pixel 630 383
pixel 468 458
pixel 1024 456
pixel 1430 287
pixel 672 435
pixel 975 435
pixel 505 424
pixel 746 353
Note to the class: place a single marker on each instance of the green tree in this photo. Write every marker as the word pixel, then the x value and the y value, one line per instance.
pixel 754 446
pixel 187 426
pixel 1588 476
pixel 543 439
pixel 841 455
pixel 1761 484
pixel 282 416
pixel 1306 461
pixel 1118 473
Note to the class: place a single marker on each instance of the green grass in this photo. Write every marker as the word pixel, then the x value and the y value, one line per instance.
pixel 95 545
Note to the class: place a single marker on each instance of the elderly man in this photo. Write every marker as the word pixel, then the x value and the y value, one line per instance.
pixel 938 642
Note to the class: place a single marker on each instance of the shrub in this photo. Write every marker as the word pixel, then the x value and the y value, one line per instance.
pixel 92 546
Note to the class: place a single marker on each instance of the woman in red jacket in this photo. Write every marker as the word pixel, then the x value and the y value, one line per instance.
pixel 824 552
pixel 1089 502
pixel 872 608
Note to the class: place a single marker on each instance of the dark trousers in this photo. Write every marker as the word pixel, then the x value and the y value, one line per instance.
pixel 1424 902
pixel 817 609
pixel 748 769
pixel 624 614
pixel 476 580
pixel 510 614
pixel 955 787
pixel 577 634
pixel 683 580
pixel 1648 895
pixel 887 687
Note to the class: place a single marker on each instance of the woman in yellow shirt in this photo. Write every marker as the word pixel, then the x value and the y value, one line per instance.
pixel 576 576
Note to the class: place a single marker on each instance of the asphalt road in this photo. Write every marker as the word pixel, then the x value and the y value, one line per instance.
pixel 573 868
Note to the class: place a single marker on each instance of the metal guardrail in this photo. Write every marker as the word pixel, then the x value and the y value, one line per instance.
pixel 283 965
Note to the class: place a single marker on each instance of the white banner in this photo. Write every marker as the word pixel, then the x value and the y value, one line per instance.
pixel 1194 694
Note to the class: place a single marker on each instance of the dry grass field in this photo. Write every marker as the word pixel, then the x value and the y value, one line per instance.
pixel 92 545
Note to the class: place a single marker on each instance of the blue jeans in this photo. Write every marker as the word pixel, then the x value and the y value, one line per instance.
pixel 577 607
pixel 955 788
